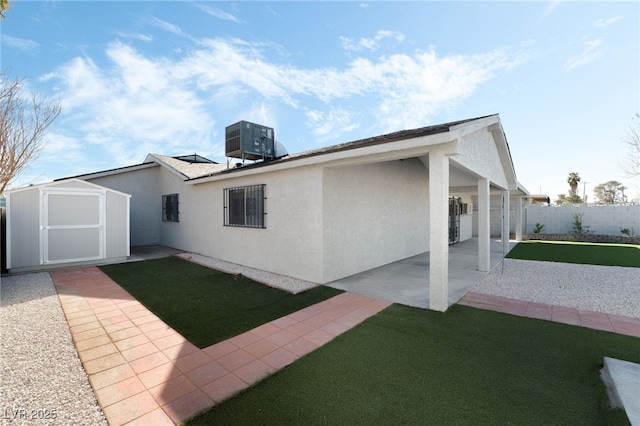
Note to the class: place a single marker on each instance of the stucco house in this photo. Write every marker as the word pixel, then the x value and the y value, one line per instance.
pixel 329 213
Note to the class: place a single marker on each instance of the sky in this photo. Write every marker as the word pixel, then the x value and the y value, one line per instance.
pixel 167 77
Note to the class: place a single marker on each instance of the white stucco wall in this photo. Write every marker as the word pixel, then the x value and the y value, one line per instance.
pixel 289 245
pixel 374 214
pixel 321 224
pixel 144 187
pixel 478 152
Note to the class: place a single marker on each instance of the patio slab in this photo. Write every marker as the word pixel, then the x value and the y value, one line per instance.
pixel 407 281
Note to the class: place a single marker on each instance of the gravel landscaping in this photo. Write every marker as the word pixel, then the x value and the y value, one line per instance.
pixel 608 289
pixel 292 285
pixel 43 382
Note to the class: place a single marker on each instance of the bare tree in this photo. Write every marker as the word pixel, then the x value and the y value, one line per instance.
pixel 4 6
pixel 610 192
pixel 631 164
pixel 23 123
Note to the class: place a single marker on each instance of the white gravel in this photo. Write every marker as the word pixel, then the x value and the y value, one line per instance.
pixel 292 285
pixel 608 289
pixel 43 382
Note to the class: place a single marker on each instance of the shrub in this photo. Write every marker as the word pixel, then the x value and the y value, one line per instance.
pixel 578 226
pixel 538 228
pixel 628 232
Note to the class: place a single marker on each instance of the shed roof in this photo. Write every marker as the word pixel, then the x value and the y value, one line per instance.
pixel 68 184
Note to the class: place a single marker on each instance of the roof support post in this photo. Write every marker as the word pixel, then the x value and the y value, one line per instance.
pixel 519 209
pixel 484 225
pixel 506 209
pixel 438 231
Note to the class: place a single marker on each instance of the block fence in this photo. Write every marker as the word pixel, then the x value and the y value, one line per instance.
pixel 600 220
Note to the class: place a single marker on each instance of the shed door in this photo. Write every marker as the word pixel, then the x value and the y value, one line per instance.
pixel 73 226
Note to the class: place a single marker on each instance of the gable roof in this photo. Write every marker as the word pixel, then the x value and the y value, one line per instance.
pixel 389 138
pixel 186 166
pixel 197 169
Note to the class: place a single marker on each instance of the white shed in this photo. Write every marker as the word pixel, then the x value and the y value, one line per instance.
pixel 66 223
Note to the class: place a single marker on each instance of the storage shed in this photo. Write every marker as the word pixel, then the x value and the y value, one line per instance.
pixel 66 223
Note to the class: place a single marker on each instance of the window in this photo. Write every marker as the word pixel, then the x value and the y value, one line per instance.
pixel 244 206
pixel 170 208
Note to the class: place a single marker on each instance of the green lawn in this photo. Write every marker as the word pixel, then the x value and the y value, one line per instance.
pixel 465 367
pixel 204 305
pixel 573 252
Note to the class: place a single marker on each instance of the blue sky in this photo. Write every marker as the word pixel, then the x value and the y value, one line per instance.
pixel 166 77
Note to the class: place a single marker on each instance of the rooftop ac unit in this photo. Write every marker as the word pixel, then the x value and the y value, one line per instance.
pixel 249 141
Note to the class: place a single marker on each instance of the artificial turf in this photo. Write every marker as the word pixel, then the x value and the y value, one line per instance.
pixel 204 305
pixel 575 252
pixel 413 366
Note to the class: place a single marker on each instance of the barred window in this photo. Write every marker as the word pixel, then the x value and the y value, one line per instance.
pixel 244 206
pixel 170 208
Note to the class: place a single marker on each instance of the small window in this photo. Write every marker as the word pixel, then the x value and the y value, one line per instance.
pixel 170 208
pixel 244 206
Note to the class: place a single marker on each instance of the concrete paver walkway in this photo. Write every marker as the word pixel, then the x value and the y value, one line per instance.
pixel 571 316
pixel 144 372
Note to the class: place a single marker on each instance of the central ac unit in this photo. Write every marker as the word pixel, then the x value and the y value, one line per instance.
pixel 249 141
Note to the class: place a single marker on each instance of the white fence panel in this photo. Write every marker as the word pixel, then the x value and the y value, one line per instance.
pixel 603 220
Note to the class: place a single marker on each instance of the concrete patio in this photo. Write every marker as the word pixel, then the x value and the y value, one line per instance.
pixel 407 281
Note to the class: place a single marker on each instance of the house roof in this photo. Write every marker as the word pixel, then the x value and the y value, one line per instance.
pixel 194 168
pixel 189 166
pixel 361 143
pixel 186 166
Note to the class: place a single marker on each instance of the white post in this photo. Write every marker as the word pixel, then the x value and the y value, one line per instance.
pixel 519 213
pixel 506 208
pixel 484 226
pixel 438 231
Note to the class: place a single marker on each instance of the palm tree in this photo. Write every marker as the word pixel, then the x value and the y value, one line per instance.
pixel 573 180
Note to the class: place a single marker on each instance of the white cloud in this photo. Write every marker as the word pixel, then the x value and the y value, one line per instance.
pixel 138 104
pixel 133 107
pixel 325 125
pixel 372 43
pixel 220 14
pixel 605 22
pixel 166 26
pixel 136 36
pixel 590 52
pixel 20 43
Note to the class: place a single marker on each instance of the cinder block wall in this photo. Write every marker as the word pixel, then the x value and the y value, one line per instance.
pixel 603 220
